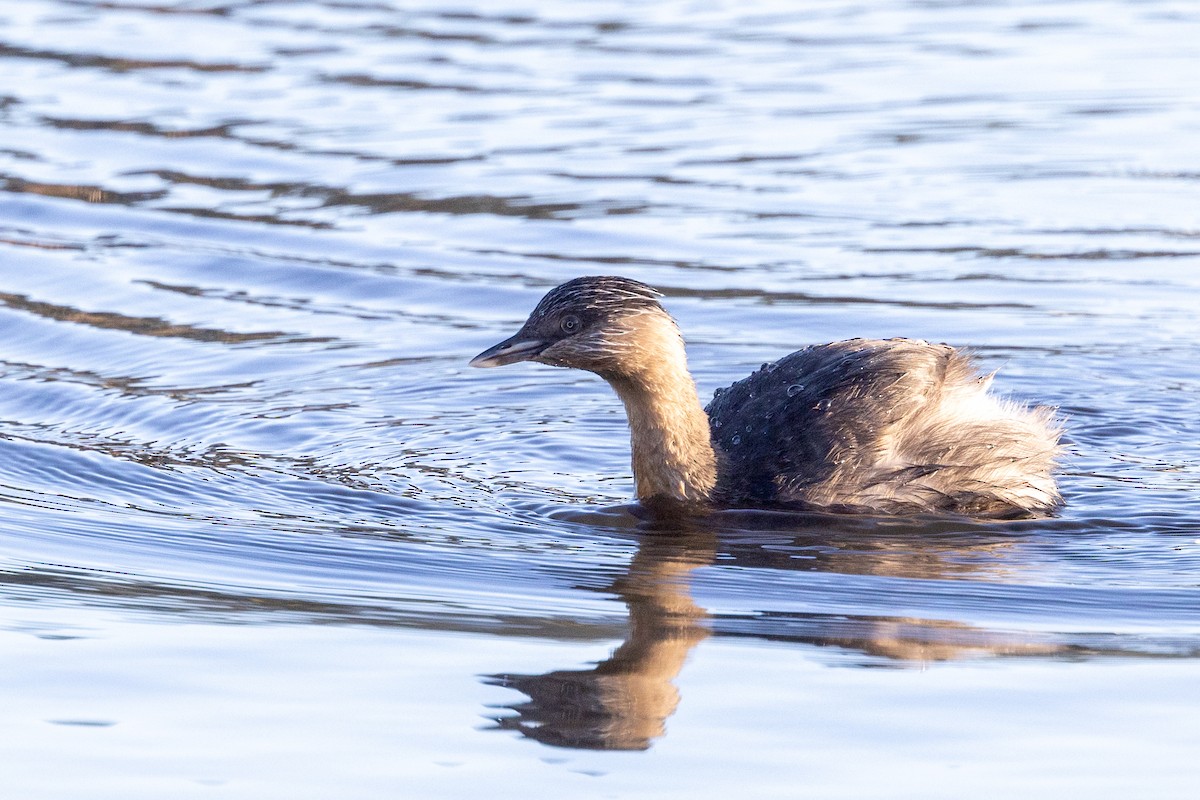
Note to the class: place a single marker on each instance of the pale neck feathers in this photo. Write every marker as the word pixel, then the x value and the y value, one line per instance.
pixel 673 456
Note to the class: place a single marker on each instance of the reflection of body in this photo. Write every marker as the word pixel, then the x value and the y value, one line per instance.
pixel 623 703
pixel 897 426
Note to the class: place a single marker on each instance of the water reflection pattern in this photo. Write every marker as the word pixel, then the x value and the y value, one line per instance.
pixel 623 702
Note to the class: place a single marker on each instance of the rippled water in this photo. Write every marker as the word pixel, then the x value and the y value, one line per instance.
pixel 262 534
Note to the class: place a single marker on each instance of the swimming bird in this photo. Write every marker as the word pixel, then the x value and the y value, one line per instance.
pixel 896 426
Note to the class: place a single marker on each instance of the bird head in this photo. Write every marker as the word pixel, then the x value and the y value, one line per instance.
pixel 600 324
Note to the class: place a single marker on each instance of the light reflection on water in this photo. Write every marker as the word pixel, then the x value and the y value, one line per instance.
pixel 248 248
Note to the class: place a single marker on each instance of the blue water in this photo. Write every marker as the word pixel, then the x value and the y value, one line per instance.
pixel 262 533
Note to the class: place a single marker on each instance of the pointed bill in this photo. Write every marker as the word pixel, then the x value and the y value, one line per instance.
pixel 510 351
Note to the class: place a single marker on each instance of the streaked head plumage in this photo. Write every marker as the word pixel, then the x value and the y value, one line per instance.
pixel 597 295
pixel 585 323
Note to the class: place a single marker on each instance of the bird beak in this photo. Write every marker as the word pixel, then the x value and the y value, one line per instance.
pixel 510 351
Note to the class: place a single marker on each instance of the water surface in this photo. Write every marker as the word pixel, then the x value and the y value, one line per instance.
pixel 263 534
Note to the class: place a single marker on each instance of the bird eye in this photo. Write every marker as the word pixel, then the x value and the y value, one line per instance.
pixel 570 323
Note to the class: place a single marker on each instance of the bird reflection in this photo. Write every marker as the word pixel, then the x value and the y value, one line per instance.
pixel 623 703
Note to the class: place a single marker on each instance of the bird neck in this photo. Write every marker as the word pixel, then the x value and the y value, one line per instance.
pixel 673 457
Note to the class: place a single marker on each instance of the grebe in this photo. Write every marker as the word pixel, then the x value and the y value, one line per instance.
pixel 895 426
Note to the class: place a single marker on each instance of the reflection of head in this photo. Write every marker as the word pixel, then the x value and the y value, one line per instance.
pixel 590 710
pixel 623 703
